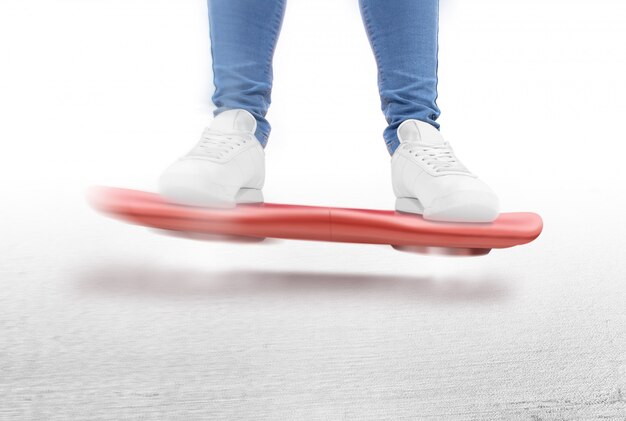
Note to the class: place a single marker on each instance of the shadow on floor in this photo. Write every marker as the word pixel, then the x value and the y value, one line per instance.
pixel 158 281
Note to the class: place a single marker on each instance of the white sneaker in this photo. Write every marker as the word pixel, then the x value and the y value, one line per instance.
pixel 226 167
pixel 428 179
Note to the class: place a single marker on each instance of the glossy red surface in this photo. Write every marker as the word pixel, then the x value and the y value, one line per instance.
pixel 405 231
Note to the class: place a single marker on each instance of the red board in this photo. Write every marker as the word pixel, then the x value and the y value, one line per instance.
pixel 269 220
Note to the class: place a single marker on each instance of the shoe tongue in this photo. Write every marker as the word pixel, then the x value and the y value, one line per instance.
pixel 237 120
pixel 416 131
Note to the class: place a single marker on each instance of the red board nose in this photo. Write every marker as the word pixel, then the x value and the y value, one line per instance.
pixel 314 222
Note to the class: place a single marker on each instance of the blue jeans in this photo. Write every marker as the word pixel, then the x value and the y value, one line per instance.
pixel 403 35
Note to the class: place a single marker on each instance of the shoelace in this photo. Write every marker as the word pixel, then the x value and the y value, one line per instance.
pixel 215 144
pixel 439 157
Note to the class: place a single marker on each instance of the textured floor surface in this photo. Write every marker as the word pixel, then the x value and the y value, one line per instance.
pixel 105 321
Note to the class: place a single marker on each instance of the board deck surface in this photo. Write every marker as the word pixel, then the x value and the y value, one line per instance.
pixel 406 232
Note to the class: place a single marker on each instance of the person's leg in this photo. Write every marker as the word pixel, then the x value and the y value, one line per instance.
pixel 227 165
pixel 244 34
pixel 427 177
pixel 404 38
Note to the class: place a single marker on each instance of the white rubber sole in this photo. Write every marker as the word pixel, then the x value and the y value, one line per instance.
pixel 409 205
pixel 247 195
pixel 221 197
pixel 466 207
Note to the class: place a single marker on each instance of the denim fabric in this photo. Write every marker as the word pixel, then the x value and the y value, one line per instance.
pixel 403 35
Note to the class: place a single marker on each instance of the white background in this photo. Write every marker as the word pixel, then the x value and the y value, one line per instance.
pixel 101 320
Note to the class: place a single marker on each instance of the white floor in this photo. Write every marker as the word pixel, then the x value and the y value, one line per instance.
pixel 100 320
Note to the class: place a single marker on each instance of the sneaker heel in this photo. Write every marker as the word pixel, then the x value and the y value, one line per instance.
pixel 409 205
pixel 247 195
